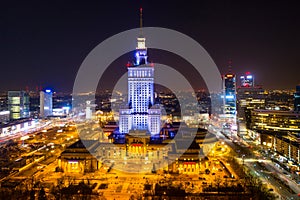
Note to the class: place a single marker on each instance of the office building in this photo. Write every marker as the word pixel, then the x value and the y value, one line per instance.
pixel 18 104
pixel 271 120
pixel 280 131
pixel 34 107
pixel 229 93
pixel 45 103
pixel 90 107
pixel 3 101
pixel 249 97
pixel 247 80
pixel 4 116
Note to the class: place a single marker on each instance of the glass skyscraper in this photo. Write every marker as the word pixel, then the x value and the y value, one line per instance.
pixel 229 86
pixel 18 104
pixel 45 103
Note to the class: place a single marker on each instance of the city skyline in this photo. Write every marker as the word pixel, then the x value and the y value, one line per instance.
pixel 163 136
pixel 44 45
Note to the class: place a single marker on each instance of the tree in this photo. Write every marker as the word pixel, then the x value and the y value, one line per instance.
pixel 42 194
pixel 207 171
pixel 32 194
pixel 218 181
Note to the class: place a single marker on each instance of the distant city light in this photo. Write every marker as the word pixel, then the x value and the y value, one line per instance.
pixel 229 97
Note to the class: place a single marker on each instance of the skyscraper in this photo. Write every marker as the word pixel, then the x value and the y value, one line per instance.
pixel 297 99
pixel 229 88
pixel 140 113
pixel 18 104
pixel 247 80
pixel 249 97
pixel 45 103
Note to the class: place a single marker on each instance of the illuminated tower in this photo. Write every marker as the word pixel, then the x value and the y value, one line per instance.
pixel 247 80
pixel 141 113
pixel 229 88
pixel 18 104
pixel 45 103
pixel 88 110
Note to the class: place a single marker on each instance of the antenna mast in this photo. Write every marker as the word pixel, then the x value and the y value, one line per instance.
pixel 141 21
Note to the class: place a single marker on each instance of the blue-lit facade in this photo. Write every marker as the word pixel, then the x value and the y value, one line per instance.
pixel 297 99
pixel 140 113
pixel 229 88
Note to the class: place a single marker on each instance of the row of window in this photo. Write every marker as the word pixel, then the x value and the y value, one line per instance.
pixel 141 73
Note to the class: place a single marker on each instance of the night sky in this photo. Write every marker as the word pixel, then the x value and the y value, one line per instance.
pixel 44 42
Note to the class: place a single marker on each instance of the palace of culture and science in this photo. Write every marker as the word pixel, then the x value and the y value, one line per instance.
pixel 141 113
pixel 141 142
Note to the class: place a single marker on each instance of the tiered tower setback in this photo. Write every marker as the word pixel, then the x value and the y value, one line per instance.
pixel 140 113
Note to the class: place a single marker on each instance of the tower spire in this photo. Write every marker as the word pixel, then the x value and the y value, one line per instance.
pixel 230 66
pixel 141 21
pixel 141 39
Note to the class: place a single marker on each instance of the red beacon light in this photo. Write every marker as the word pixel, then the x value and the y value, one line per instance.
pixel 128 64
pixel 152 64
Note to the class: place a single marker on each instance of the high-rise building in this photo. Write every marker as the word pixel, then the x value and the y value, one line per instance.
pixel 297 99
pixel 18 104
pixel 3 101
pixel 45 103
pixel 247 80
pixel 34 98
pixel 140 113
pixel 248 99
pixel 249 96
pixel 229 88
pixel 4 116
pixel 89 110
pixel 275 120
